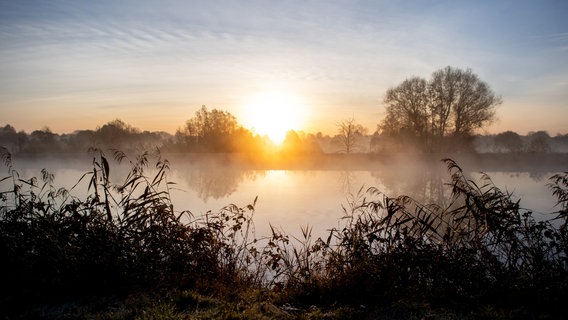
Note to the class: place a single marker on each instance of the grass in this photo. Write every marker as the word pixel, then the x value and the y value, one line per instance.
pixel 124 252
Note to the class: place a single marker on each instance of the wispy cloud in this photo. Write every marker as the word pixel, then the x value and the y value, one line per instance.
pixel 337 51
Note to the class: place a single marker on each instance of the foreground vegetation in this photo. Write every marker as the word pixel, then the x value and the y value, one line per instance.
pixel 124 251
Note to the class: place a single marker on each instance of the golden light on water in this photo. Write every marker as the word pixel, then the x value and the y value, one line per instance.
pixel 273 114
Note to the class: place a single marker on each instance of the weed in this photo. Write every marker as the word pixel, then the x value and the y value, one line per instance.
pixel 481 251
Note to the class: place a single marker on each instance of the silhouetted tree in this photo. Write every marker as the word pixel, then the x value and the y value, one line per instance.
pixel 454 103
pixel 325 143
pixel 407 109
pixel 349 134
pixel 539 142
pixel 469 101
pixel 560 142
pixel 312 144
pixel 509 140
pixel 297 143
pixel 244 141
pixel 292 143
pixel 9 138
pixel 7 131
pixel 116 134
pixel 209 131
pixel 80 140
pixel 43 141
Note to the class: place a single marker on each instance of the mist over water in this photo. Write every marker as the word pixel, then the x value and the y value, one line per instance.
pixel 290 198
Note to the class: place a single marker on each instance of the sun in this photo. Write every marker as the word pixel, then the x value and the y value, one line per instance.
pixel 273 114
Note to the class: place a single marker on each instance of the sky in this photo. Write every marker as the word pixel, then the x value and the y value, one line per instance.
pixel 74 64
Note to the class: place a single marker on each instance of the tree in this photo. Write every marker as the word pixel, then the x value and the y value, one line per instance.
pixel 560 142
pixel 453 103
pixel 9 138
pixel 467 100
pixel 407 112
pixel 539 142
pixel 209 131
pixel 509 140
pixel 81 140
pixel 43 140
pixel 116 134
pixel 349 134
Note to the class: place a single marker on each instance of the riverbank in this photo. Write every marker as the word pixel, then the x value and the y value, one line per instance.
pixel 550 162
pixel 129 254
pixel 257 304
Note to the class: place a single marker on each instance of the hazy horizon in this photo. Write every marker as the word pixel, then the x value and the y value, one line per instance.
pixel 332 133
pixel 77 65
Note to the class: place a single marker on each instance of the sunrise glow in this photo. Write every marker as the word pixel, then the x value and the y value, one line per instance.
pixel 77 65
pixel 274 113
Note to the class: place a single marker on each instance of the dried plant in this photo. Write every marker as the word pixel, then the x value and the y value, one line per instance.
pixel 127 235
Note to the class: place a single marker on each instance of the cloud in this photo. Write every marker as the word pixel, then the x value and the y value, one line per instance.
pixel 339 52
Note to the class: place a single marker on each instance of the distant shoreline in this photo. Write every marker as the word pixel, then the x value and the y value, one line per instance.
pixel 369 162
pixel 505 162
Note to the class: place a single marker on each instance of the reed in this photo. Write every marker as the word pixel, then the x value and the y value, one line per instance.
pixel 480 249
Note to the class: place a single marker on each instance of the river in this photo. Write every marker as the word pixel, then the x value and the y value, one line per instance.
pixel 289 199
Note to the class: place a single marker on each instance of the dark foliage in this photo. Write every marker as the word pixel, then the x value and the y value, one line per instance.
pixel 481 249
pixel 121 237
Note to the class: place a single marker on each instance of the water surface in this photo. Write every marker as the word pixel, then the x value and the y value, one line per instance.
pixel 290 199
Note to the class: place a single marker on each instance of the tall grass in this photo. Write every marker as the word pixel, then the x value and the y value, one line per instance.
pixel 122 236
pixel 482 248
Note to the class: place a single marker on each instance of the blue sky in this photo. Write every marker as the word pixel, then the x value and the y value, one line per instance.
pixel 77 64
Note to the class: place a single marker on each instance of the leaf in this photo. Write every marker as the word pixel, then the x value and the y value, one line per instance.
pixel 105 167
pixel 119 155
pixel 6 156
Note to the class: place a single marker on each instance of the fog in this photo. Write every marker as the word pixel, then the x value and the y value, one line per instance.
pixel 308 191
pixel 308 179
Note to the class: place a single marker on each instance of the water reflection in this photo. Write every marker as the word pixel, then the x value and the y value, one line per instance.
pixel 294 198
pixel 347 181
pixel 424 183
pixel 275 176
pixel 539 176
pixel 215 183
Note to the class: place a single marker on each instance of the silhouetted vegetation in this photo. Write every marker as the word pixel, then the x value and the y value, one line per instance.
pixel 509 141
pixel 214 131
pixel 440 114
pixel 410 126
pixel 539 142
pixel 119 135
pixel 480 252
pixel 436 116
pixel 115 134
pixel 350 134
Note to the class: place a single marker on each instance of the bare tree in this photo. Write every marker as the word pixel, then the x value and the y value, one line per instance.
pixel 461 101
pixel 453 103
pixel 407 108
pixel 349 134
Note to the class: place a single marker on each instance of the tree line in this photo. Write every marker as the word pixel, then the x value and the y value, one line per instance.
pixel 441 114
pixel 350 138
pixel 209 131
pixel 114 134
